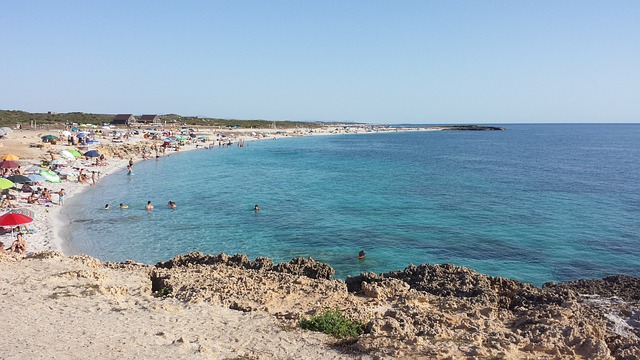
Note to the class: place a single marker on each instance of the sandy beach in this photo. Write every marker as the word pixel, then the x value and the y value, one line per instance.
pixel 221 307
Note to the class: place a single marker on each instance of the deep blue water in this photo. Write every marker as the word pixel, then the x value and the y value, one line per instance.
pixel 536 202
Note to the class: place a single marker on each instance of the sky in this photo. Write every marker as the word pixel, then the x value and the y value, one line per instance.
pixel 389 62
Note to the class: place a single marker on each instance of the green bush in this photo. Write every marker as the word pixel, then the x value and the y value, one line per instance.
pixel 332 322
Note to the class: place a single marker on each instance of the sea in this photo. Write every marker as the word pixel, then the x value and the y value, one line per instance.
pixel 536 202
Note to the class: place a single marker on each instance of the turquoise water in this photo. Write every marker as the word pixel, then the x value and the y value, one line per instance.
pixel 536 202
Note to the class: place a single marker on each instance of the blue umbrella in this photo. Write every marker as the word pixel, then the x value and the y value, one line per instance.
pixel 81 135
pixel 92 153
pixel 36 178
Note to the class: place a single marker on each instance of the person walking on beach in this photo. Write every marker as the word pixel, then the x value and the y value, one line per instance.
pixel 61 197
pixel 149 207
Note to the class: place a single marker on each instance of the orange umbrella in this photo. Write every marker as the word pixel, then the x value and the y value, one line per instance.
pixel 10 157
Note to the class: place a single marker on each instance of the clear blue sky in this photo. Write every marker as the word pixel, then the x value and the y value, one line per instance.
pixel 364 61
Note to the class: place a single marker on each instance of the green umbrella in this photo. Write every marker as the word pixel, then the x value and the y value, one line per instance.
pixel 49 137
pixel 75 153
pixel 5 183
pixel 50 176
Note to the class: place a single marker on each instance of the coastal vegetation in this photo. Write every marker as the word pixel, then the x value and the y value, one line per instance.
pixel 334 323
pixel 13 117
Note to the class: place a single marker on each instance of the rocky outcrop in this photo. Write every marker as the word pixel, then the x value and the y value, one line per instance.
pixel 429 311
pixel 625 287
pixel 298 266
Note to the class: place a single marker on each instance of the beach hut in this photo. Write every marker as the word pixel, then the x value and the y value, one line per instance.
pixel 148 119
pixel 123 119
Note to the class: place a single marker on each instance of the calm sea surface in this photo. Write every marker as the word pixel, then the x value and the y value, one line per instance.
pixel 536 202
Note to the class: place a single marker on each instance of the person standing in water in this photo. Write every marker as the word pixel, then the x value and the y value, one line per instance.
pixel 149 207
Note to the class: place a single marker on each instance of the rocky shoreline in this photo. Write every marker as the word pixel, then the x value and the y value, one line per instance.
pixel 434 311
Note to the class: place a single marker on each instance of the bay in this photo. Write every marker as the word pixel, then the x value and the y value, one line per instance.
pixel 535 203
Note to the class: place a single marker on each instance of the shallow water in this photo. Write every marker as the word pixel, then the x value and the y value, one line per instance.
pixel 536 202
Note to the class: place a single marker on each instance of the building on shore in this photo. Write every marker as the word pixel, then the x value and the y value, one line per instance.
pixel 124 119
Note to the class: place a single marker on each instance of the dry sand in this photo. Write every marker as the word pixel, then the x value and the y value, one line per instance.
pixel 71 308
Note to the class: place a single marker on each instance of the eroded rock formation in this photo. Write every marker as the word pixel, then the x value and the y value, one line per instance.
pixel 436 311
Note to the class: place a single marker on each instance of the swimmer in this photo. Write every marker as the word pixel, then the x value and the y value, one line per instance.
pixel 256 208
pixel 106 207
pixel 171 204
pixel 361 254
pixel 123 206
pixel 149 207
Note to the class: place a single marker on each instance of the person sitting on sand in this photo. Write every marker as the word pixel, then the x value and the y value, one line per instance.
pixel 19 246
pixel 149 207
pixel 123 206
pixel 33 198
pixel 6 204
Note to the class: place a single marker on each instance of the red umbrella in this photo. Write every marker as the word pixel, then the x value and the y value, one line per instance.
pixel 8 164
pixel 13 219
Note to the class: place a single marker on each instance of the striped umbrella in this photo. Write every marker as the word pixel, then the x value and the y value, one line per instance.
pixel 23 211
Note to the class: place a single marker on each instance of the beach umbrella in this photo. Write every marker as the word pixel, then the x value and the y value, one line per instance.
pixel 74 129
pixel 81 135
pixel 49 137
pixel 92 153
pixel 6 183
pixel 67 155
pixel 10 157
pixel 13 219
pixel 66 133
pixel 8 164
pixel 50 176
pixel 19 179
pixel 36 177
pixel 23 211
pixel 6 129
pixel 58 162
pixel 75 153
